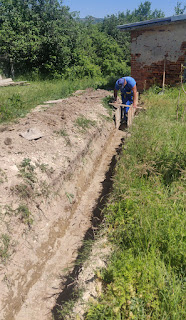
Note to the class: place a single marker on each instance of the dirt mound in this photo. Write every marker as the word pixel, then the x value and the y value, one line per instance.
pixel 46 163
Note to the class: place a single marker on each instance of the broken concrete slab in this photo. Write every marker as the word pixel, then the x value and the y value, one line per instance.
pixel 32 134
pixel 78 92
pixel 10 82
pixel 54 101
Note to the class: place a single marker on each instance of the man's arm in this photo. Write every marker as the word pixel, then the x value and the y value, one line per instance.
pixel 115 94
pixel 134 96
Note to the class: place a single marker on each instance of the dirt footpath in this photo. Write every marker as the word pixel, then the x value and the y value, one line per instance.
pixel 49 187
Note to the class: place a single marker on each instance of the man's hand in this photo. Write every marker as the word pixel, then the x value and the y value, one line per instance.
pixel 113 100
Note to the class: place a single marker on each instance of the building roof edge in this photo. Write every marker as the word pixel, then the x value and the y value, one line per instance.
pixel 159 21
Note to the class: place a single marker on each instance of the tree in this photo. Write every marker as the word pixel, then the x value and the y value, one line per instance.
pixel 143 12
pixel 37 35
pixel 41 37
pixel 178 9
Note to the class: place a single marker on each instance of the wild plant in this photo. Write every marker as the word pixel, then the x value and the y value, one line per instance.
pixel 146 220
pixel 27 171
pixel 83 123
pixel 24 214
pixel 4 247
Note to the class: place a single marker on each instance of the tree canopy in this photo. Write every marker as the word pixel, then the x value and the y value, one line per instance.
pixel 43 38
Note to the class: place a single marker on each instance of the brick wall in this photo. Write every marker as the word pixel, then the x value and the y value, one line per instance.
pixel 156 49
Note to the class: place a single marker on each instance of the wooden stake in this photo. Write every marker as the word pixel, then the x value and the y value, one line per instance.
pixel 163 84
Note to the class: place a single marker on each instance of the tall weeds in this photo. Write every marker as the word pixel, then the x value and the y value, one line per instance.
pixel 145 219
pixel 16 101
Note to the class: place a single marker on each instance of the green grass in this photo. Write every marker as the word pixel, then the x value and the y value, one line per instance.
pixel 4 247
pixel 106 104
pixel 17 101
pixel 145 218
pixel 83 123
pixel 27 171
pixel 64 134
pixel 3 176
pixel 24 214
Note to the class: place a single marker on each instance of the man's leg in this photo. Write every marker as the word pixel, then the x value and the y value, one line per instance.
pixel 123 97
pixel 126 109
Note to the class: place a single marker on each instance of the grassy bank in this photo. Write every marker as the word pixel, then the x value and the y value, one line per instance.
pixel 16 101
pixel 145 218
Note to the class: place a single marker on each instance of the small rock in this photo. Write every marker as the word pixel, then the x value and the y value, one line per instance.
pixel 2 129
pixel 8 141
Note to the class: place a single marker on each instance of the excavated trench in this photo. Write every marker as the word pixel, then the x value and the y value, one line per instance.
pixel 69 282
pixel 59 288
pixel 41 275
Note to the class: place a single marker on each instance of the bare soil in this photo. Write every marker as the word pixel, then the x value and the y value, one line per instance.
pixel 49 188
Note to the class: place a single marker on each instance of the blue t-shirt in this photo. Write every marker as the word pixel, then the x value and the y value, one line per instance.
pixel 127 89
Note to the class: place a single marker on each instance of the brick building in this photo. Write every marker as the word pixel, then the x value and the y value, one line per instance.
pixel 158 49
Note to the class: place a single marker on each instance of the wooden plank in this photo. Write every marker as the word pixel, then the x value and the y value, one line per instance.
pixel 131 114
pixel 20 83
pixel 118 117
pixel 54 101
pixel 10 82
pixel 116 105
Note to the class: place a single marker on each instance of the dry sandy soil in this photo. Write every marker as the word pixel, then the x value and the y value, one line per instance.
pixel 49 188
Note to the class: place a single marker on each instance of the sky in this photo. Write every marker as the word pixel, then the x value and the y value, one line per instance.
pixel 102 8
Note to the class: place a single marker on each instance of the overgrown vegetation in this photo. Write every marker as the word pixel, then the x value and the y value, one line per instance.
pixel 42 39
pixel 145 219
pixel 16 102
pixel 106 104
